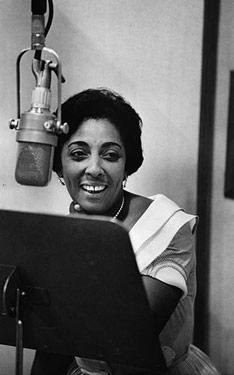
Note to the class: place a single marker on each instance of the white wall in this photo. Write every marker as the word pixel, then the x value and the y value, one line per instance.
pixel 150 51
pixel 222 233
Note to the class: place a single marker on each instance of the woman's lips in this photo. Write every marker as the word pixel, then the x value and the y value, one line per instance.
pixel 93 189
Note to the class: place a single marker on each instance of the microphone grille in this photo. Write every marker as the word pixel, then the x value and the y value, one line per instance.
pixel 34 163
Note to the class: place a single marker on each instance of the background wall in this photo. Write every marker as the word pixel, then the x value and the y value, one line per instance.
pixel 149 51
pixel 221 330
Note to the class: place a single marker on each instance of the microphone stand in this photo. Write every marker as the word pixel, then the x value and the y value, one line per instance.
pixel 19 333
pixel 11 302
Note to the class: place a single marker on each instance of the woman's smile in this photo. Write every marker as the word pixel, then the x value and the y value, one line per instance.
pixel 93 189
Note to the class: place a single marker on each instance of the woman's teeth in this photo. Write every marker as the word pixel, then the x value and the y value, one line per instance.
pixel 93 189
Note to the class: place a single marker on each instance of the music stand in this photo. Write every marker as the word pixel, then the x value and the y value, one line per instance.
pixel 82 291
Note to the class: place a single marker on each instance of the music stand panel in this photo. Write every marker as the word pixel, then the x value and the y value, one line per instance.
pixel 84 293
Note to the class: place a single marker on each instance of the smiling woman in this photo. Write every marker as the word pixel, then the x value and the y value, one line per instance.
pixel 93 167
pixel 102 148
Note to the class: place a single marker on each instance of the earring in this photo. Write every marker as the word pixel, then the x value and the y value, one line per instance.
pixel 61 180
pixel 125 182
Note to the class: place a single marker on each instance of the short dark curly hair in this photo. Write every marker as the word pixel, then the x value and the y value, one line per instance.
pixel 103 104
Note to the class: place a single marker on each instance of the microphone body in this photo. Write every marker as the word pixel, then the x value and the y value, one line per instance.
pixel 35 149
pixel 36 132
pixel 38 128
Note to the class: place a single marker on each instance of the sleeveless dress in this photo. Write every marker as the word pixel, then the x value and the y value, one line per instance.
pixel 162 241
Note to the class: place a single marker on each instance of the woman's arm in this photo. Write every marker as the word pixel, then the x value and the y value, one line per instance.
pixel 165 280
pixel 163 299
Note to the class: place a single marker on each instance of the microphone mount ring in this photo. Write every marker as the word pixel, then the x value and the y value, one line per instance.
pixel 57 68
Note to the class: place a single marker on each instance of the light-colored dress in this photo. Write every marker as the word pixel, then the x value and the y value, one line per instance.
pixel 163 245
pixel 162 240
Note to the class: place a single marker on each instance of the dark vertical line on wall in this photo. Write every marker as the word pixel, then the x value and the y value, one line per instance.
pixel 205 163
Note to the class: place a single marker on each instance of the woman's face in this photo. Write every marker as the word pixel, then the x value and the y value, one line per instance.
pixel 93 166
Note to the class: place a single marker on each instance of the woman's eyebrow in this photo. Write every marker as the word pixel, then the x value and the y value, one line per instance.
pixel 85 144
pixel 78 143
pixel 110 144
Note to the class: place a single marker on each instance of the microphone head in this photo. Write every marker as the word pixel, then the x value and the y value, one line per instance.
pixel 34 163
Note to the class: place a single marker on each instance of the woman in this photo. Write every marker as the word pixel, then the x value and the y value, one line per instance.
pixel 103 147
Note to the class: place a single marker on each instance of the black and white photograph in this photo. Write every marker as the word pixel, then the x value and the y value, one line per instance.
pixel 116 187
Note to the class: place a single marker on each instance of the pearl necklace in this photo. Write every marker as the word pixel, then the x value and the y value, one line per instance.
pixel 78 209
pixel 119 210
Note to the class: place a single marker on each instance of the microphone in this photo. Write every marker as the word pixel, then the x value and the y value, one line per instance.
pixel 37 131
pixel 38 128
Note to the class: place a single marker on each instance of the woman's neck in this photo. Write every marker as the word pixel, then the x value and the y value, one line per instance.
pixel 135 207
pixel 128 208
pixel 115 211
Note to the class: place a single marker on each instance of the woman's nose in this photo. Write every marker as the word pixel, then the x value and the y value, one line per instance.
pixel 94 167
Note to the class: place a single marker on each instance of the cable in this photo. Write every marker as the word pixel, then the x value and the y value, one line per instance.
pixel 50 16
pixel 40 8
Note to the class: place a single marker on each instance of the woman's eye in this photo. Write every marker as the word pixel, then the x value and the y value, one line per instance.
pixel 78 154
pixel 111 156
